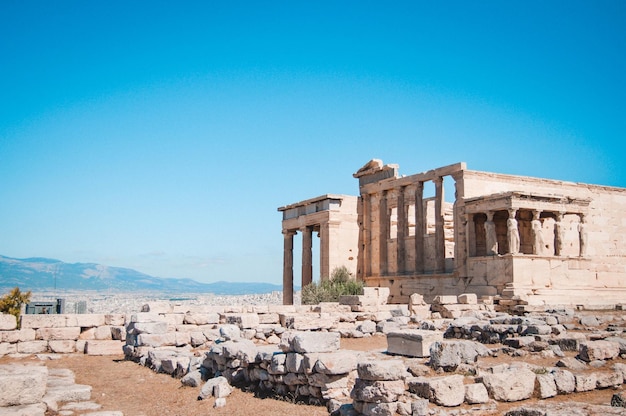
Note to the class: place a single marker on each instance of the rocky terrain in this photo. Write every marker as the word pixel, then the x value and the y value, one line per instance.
pixel 456 356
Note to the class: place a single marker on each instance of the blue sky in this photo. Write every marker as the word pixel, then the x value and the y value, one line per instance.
pixel 163 137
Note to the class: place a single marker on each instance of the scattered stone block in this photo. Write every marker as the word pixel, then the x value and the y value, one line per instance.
pixel 32 347
pixel 305 342
pixel 450 354
pixel 21 384
pixel 510 385
pixel 47 334
pixel 151 327
pixel 88 320
pixel 468 299
pixel 518 342
pixel 103 347
pixel 476 393
pixel 610 379
pixel 7 322
pixel 192 379
pixel 72 393
pixel 572 363
pixel 545 386
pixel 382 370
pixel 36 321
pixel 37 409
pixel 585 382
pixel 371 391
pixel 598 350
pixel 444 391
pixel 419 407
pixel 309 322
pixel 62 346
pixel 242 320
pixel 156 340
pixel 115 319
pixel 6 348
pixel 340 362
pixel 412 342
pixel 18 335
pixel 445 300
pixel 230 332
pixel 564 380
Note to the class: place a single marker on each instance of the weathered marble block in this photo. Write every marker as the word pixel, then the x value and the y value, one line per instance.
pixel 103 347
pixel 598 350
pixel 32 347
pixel 382 370
pixel 7 322
pixel 62 346
pixel 47 334
pixel 20 384
pixel 444 391
pixel 412 342
pixel 305 342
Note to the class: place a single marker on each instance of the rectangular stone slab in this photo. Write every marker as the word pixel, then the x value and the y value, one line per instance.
pixel 412 342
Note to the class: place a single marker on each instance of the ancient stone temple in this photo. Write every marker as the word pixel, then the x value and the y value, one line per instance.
pixel 540 240
pixel 334 219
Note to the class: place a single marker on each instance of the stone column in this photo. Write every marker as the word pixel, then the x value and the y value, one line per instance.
pixel 440 242
pixel 558 234
pixel 512 232
pixel 363 253
pixel 324 235
pixel 307 255
pixel 373 243
pixel 491 241
pixel 288 267
pixel 403 230
pixel 384 233
pixel 537 231
pixel 420 228
pixel 582 235
pixel 470 235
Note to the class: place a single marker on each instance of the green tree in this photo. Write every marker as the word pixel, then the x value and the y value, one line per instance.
pixel 12 302
pixel 329 290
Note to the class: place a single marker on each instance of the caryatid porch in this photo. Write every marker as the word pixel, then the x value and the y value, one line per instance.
pixel 334 219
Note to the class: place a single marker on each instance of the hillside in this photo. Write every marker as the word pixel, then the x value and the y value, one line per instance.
pixel 38 274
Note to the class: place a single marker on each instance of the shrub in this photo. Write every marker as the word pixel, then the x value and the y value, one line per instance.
pixel 329 290
pixel 12 302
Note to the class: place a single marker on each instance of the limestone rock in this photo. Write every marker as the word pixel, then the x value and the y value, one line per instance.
pixel 546 387
pixel 450 354
pixel 412 342
pixel 304 342
pixel 510 385
pixel 476 393
pixel 340 362
pixel 598 350
pixel 377 391
pixel 564 380
pixel 192 379
pixel 230 332
pixel 209 389
pixel 444 391
pixel 382 370
pixel 21 384
pixel 7 322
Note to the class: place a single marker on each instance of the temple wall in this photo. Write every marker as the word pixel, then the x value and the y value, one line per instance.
pixel 606 214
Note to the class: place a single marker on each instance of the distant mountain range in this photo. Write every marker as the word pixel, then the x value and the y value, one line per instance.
pixel 40 274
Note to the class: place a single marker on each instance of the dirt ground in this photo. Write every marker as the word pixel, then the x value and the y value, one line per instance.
pixel 126 386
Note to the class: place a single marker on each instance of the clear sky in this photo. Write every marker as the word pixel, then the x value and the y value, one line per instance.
pixel 163 136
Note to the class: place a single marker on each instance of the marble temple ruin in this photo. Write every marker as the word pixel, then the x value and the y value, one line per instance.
pixel 543 241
